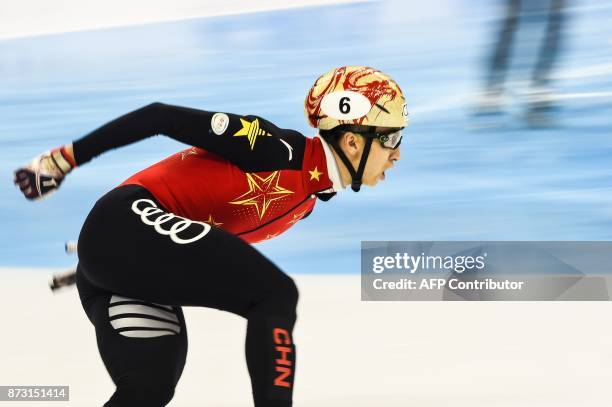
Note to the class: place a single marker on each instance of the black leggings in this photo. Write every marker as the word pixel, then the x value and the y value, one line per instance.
pixel 138 264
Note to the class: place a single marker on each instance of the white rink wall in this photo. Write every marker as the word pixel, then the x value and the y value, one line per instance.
pixel 26 18
pixel 350 353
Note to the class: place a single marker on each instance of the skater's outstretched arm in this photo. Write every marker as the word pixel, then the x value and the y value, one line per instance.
pixel 250 142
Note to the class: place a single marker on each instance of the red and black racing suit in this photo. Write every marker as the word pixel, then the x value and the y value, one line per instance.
pixel 178 233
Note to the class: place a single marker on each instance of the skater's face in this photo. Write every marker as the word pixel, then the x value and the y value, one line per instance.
pixel 380 159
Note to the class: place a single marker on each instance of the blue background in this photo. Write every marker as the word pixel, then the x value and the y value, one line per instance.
pixel 452 183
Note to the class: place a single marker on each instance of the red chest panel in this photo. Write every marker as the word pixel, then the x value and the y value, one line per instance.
pixel 256 206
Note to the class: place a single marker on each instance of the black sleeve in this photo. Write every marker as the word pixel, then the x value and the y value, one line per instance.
pixel 250 142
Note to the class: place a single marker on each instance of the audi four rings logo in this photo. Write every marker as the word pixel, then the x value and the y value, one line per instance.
pixel 180 230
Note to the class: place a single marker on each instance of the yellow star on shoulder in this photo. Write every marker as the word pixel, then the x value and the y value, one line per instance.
pixel 251 130
pixel 262 192
pixel 315 174
pixel 211 221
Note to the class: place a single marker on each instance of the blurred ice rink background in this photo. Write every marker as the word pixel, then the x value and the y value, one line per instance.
pixel 459 178
pixel 470 169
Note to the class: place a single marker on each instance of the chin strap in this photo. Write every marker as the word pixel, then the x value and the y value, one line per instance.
pixel 356 176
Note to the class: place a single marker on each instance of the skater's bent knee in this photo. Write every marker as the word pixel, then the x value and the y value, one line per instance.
pixel 288 291
pixel 280 297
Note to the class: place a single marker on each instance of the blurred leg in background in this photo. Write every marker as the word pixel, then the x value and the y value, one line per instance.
pixel 542 100
pixel 491 102
pixel 527 44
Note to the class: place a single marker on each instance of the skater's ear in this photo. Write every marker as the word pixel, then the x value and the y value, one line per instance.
pixel 352 145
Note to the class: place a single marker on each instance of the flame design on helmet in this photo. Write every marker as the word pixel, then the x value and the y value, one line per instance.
pixel 377 87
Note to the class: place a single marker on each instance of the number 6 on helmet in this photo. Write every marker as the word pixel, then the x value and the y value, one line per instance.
pixel 356 95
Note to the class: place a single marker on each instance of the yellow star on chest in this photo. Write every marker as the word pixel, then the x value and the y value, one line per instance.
pixel 251 131
pixel 315 174
pixel 211 221
pixel 262 192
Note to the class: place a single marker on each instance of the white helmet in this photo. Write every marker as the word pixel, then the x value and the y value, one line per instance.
pixel 356 95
